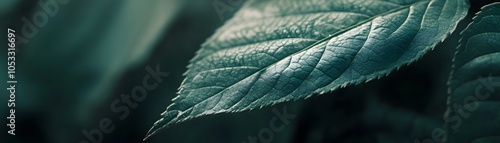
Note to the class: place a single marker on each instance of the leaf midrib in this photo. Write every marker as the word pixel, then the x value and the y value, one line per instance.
pixel 305 49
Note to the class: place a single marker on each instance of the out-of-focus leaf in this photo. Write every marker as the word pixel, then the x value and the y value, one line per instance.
pixel 474 109
pixel 7 5
pixel 280 50
pixel 72 63
pixel 82 52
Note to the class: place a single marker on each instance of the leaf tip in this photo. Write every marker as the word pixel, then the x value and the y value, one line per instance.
pixel 167 119
pixel 151 132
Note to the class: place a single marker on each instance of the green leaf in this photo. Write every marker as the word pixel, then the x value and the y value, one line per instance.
pixel 473 108
pixel 280 50
pixel 71 65
pixel 96 55
pixel 7 6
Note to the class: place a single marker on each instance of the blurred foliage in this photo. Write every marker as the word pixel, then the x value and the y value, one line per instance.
pixel 473 109
pixel 71 64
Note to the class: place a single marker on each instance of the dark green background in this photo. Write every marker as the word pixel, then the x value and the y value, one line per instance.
pixel 87 56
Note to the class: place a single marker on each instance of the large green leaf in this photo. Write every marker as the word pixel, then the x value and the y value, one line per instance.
pixel 279 50
pixel 474 107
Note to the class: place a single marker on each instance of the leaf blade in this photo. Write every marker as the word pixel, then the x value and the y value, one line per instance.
pixel 472 114
pixel 260 64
